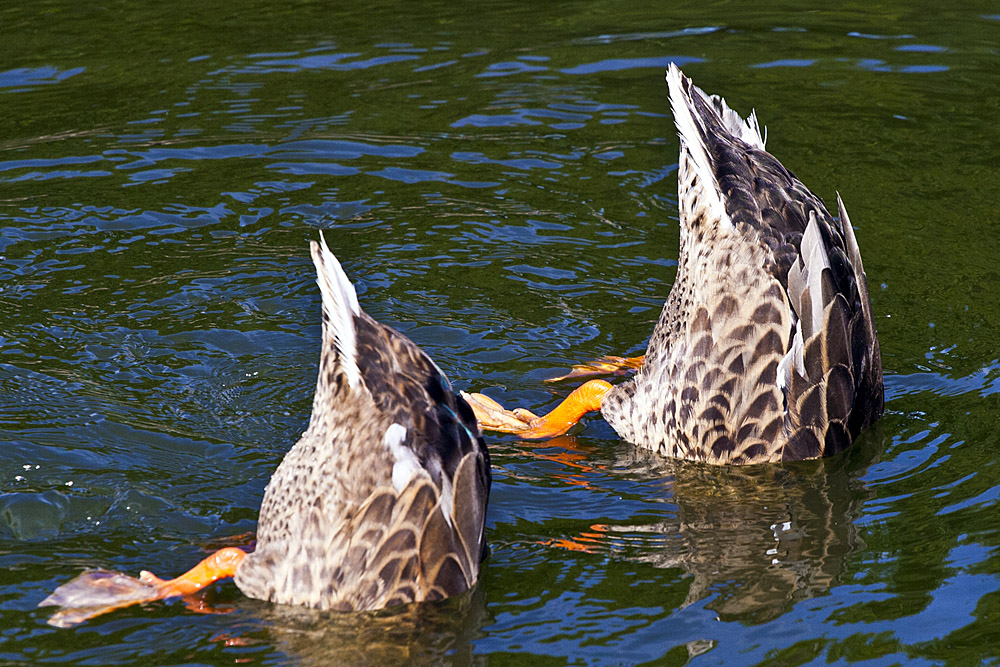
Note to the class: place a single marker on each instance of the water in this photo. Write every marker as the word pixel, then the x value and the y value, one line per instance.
pixel 501 184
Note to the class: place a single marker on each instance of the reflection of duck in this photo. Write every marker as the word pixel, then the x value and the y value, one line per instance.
pixel 761 539
pixel 406 635
pixel 765 349
pixel 381 502
pixel 753 540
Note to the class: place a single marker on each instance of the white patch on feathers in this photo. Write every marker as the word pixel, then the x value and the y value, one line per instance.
pixel 406 465
pixel 805 276
pixel 754 126
pixel 447 500
pixel 815 259
pixel 340 304
pixel 792 359
pixel 748 130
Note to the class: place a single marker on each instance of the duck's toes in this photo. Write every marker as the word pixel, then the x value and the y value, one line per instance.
pixel 608 365
pixel 96 592
pixel 99 591
pixel 493 417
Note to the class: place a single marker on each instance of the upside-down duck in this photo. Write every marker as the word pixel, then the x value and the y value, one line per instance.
pixel 766 348
pixel 381 502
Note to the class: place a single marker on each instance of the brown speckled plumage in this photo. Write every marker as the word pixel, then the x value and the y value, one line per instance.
pixel 383 499
pixel 766 349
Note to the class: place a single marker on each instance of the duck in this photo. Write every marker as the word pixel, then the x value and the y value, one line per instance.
pixel 766 348
pixel 381 502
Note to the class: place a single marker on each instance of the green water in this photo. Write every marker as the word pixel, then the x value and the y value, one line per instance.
pixel 500 181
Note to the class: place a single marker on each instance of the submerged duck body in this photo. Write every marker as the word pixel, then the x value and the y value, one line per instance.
pixel 383 499
pixel 766 349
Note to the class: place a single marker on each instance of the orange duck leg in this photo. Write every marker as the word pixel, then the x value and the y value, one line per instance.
pixel 493 417
pixel 97 592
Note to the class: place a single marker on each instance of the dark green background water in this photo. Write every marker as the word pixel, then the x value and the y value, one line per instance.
pixel 500 181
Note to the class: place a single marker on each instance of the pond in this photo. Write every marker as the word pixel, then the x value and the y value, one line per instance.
pixel 500 181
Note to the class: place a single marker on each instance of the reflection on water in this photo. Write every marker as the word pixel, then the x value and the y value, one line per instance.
pixel 761 540
pixel 754 540
pixel 426 634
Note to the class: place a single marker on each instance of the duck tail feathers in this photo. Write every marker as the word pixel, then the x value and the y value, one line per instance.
pixel 872 383
pixel 694 110
pixel 340 307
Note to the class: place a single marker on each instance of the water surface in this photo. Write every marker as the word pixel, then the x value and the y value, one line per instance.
pixel 500 182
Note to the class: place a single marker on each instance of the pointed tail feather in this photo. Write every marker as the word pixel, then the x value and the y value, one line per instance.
pixel 340 306
pixel 691 129
pixel 694 109
pixel 871 386
pixel 706 125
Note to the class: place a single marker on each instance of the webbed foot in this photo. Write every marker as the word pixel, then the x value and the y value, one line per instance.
pixel 97 592
pixel 493 417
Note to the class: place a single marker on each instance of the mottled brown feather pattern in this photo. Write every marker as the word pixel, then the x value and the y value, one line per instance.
pixel 334 531
pixel 765 349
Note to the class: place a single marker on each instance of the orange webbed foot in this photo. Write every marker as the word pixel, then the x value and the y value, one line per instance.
pixel 97 592
pixel 493 417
